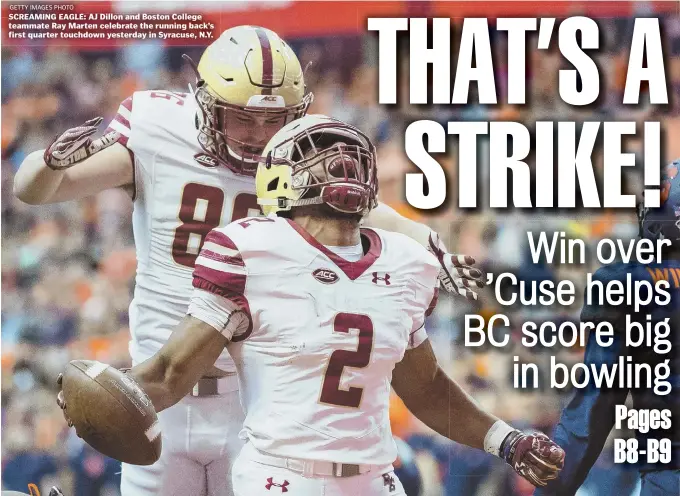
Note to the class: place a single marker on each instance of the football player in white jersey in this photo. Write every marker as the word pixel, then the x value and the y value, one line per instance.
pixel 321 317
pixel 189 161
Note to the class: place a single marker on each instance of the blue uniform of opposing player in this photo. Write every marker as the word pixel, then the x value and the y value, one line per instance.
pixel 588 419
pixel 406 469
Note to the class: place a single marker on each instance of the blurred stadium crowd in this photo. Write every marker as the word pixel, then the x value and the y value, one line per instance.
pixel 68 270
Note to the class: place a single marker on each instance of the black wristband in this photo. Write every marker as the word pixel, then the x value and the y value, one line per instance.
pixel 507 450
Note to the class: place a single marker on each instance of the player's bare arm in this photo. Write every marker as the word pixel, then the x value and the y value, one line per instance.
pixel 172 372
pixel 188 355
pixel 458 274
pixel 435 399
pixel 74 166
pixel 443 406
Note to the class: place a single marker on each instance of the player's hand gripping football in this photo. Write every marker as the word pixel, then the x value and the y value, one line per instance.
pixel 535 457
pixel 457 276
pixel 60 400
pixel 110 412
pixel 75 145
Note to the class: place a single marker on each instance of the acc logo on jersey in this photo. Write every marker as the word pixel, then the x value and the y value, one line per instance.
pixel 205 160
pixel 325 276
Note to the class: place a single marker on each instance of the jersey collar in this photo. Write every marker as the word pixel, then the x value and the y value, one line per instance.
pixel 351 269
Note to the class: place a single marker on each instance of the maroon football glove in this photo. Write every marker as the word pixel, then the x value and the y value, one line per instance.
pixel 535 457
pixel 457 275
pixel 75 145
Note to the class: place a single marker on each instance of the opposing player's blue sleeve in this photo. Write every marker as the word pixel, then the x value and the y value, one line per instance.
pixel 587 420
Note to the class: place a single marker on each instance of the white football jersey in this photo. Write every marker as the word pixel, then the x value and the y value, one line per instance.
pixel 315 365
pixel 180 195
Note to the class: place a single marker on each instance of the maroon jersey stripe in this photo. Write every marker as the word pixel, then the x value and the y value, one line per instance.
pixel 227 282
pixel 353 270
pixel 122 120
pixel 221 239
pixel 123 140
pixel 267 61
pixel 433 303
pixel 223 258
pixel 127 103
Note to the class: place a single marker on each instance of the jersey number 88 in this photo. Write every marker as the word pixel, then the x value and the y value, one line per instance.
pixel 200 221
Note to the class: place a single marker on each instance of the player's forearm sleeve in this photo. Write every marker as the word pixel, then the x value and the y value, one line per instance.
pixel 219 312
pixel 586 422
pixel 220 271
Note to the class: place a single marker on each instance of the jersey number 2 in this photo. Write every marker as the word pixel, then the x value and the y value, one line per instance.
pixel 200 221
pixel 330 389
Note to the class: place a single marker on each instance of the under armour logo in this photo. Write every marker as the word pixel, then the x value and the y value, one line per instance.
pixel 270 483
pixel 385 279
pixel 388 480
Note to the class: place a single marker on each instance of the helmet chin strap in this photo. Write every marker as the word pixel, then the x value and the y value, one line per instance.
pixel 236 156
pixel 286 203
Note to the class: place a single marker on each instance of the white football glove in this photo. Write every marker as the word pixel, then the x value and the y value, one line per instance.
pixel 457 276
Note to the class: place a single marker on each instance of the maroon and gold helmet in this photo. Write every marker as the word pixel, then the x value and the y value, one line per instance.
pixel 318 160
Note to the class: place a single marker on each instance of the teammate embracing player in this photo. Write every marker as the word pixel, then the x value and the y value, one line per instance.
pixel 189 161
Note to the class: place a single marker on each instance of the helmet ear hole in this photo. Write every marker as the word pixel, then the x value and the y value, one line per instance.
pixel 273 184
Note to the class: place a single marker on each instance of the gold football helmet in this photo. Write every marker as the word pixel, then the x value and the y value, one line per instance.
pixel 250 84
pixel 318 160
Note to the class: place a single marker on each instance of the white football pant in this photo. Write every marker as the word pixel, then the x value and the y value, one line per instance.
pixel 200 443
pixel 252 477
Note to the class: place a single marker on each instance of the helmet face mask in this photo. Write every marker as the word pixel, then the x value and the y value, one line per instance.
pixel 341 174
pixel 250 85
pixel 319 161
pixel 236 135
